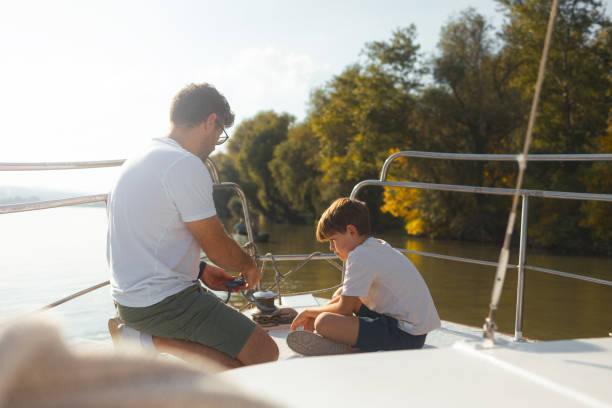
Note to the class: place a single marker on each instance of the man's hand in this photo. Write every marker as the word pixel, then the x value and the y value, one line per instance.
pixel 252 276
pixel 216 278
pixel 305 318
pixel 222 250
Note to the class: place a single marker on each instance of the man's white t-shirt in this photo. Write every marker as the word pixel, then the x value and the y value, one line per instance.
pixel 150 251
pixel 388 283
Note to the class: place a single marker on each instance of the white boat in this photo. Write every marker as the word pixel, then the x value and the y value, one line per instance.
pixel 456 367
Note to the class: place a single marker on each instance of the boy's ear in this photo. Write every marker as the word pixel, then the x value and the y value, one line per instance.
pixel 352 229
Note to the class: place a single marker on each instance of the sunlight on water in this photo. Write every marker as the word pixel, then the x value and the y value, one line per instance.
pixel 50 254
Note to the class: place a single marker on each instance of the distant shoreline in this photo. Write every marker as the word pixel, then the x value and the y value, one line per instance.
pixel 21 195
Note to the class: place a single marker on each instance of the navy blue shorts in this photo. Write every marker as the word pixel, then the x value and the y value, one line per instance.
pixel 380 332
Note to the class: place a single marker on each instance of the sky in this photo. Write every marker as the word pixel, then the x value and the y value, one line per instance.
pixel 93 80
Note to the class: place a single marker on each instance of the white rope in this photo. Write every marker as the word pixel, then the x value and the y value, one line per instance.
pixel 490 326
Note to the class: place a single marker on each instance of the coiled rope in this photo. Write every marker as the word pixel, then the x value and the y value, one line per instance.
pixel 279 276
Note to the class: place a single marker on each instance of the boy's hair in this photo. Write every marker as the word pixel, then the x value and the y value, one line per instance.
pixel 196 102
pixel 340 214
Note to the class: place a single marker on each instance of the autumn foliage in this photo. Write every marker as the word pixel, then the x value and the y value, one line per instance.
pixel 472 96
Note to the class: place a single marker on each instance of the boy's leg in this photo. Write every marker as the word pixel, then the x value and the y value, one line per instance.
pixel 381 332
pixel 337 327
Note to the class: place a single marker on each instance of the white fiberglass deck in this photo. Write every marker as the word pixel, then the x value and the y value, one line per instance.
pixel 445 336
pixel 456 370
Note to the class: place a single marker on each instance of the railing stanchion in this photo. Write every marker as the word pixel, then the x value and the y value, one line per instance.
pixel 520 281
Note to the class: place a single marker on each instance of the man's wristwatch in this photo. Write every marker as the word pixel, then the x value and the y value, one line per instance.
pixel 202 267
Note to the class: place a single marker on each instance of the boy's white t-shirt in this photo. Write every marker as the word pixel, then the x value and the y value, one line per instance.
pixel 151 252
pixel 388 283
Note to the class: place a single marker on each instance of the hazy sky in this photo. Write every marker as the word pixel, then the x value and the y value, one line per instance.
pixel 93 80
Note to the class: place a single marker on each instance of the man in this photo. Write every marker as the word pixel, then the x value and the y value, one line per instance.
pixel 160 214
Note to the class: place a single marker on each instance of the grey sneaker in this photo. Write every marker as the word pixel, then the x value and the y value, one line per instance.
pixel 311 344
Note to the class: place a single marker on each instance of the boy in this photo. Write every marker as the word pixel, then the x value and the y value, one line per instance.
pixel 383 304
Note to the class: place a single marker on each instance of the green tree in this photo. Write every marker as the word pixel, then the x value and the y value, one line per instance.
pixel 470 108
pixel 574 106
pixel 362 113
pixel 294 170
pixel 251 148
pixel 597 216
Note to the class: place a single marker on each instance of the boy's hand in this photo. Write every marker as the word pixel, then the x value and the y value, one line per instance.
pixel 309 324
pixel 305 318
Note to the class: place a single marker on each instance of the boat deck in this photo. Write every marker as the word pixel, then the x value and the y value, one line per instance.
pixel 445 336
pixel 456 368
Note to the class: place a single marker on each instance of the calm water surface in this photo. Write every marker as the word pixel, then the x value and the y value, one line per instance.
pixel 49 254
pixel 554 307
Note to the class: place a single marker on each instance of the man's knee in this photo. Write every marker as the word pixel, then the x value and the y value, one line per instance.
pixel 259 348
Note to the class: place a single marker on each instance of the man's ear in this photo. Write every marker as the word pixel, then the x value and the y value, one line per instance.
pixel 211 120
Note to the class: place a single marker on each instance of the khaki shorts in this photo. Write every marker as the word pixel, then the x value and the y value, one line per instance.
pixel 193 314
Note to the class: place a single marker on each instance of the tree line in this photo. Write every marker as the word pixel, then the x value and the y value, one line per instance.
pixel 472 96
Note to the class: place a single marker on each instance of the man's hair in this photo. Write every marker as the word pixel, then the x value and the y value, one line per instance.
pixel 196 102
pixel 340 214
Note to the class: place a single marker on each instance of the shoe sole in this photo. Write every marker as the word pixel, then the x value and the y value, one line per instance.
pixel 311 344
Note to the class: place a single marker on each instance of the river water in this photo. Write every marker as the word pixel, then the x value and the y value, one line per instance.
pixel 554 307
pixel 49 254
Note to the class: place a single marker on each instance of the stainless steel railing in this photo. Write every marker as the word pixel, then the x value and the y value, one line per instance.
pixel 518 327
pixel 521 266
pixel 41 205
pixel 60 165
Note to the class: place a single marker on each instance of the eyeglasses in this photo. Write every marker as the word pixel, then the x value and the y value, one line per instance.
pixel 223 138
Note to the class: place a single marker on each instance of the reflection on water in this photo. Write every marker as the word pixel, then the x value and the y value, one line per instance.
pixel 554 308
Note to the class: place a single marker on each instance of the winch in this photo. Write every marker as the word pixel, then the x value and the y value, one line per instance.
pixel 268 313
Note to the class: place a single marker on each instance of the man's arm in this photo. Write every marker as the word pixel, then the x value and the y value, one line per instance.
pixel 222 250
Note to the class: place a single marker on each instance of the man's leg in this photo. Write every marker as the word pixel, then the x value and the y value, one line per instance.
pixel 204 320
pixel 194 352
pixel 259 348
